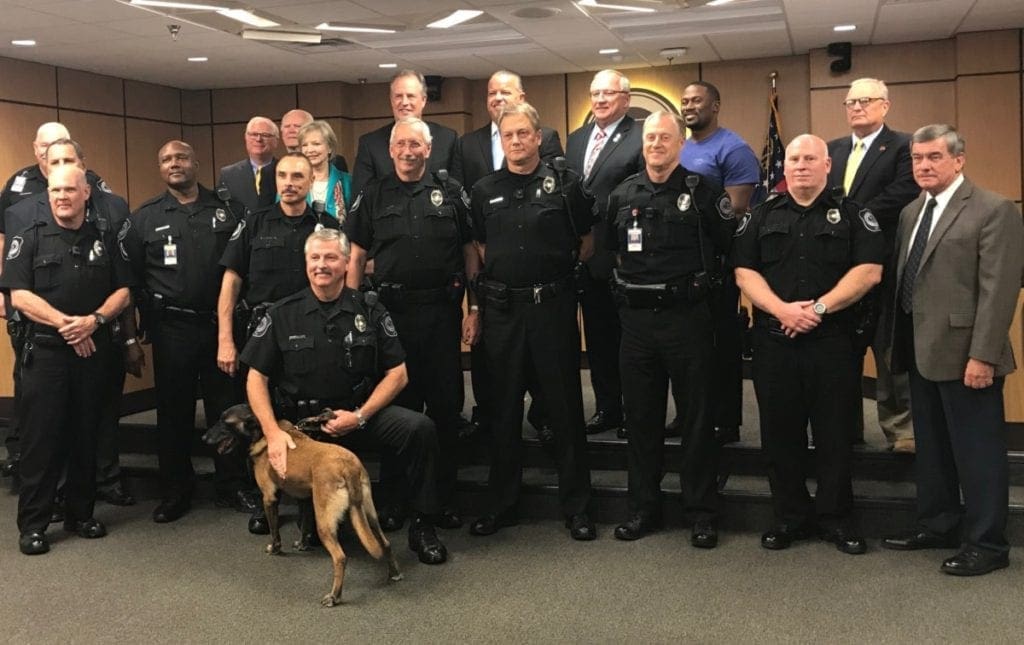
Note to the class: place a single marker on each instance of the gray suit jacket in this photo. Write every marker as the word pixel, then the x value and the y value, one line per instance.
pixel 965 293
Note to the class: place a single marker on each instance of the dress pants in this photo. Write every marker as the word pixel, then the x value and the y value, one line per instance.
pixel 658 345
pixel 184 356
pixel 61 396
pixel 809 378
pixel 540 342
pixel 603 334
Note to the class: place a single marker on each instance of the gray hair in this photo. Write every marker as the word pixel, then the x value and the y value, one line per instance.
pixel 329 235
pixel 954 142
pixel 883 91
pixel 416 124
pixel 623 81
pixel 521 108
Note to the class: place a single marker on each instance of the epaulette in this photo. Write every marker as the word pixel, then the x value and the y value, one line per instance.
pixel 152 200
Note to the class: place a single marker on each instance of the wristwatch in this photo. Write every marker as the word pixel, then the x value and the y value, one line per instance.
pixel 130 342
pixel 360 418
pixel 820 308
pixel 100 319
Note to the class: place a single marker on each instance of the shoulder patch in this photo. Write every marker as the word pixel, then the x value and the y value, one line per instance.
pixel 724 206
pixel 355 204
pixel 15 250
pixel 102 185
pixel 123 233
pixel 741 228
pixel 238 231
pixel 263 326
pixel 465 197
pixel 867 218
pixel 388 326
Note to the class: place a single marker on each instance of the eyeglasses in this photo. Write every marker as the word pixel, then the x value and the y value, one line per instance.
pixel 262 136
pixel 597 94
pixel 863 101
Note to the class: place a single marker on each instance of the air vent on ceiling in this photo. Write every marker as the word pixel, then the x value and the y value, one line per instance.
pixel 325 46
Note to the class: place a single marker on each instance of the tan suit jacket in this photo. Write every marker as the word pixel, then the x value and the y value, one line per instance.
pixel 966 291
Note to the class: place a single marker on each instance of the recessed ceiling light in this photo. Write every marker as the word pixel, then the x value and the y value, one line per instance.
pixel 844 28
pixel 174 4
pixel 387 65
pixel 249 18
pixel 24 43
pixel 718 3
pixel 329 26
pixel 455 18
pixel 197 59
pixel 283 35
pixel 610 50
pixel 620 7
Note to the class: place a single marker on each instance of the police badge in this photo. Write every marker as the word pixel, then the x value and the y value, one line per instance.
pixel 683 203
pixel 360 323
pixel 98 249
pixel 221 215
pixel 548 185
pixel 833 216
pixel 319 227
pixel 436 198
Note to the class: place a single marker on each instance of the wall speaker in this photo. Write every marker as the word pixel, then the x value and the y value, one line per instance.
pixel 434 87
pixel 844 52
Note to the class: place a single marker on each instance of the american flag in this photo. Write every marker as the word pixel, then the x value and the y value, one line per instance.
pixel 774 152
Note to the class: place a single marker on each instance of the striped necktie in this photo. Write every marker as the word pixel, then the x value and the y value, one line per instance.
pixel 594 152
pixel 914 257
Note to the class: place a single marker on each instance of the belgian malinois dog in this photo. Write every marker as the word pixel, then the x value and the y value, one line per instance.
pixel 332 475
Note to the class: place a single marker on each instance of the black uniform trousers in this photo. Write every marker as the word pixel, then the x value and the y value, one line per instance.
pixel 603 334
pixel 727 366
pixel 411 439
pixel 431 335
pixel 536 344
pixel 809 378
pixel 658 345
pixel 960 434
pixel 61 400
pixel 184 355
pixel 482 389
pixel 11 441
pixel 108 462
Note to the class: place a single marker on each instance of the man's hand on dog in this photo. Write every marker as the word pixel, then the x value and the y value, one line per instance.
pixel 343 423
pixel 278 445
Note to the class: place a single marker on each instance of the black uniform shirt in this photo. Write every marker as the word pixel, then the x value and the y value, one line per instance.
pixel 525 223
pixel 188 274
pixel 413 231
pixel 315 350
pixel 74 271
pixel 803 252
pixel 266 248
pixel 675 224
pixel 30 181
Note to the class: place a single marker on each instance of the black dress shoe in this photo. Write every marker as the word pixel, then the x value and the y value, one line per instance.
pixel 243 501
pixel 782 537
pixel 171 509
pixel 392 518
pixel 622 433
pixel 603 421
pixel 637 526
pixel 704 534
pixel 89 529
pixel 674 428
pixel 10 467
pixel 727 434
pixel 33 543
pixel 846 540
pixel 115 494
pixel 258 524
pixel 581 528
pixel 424 542
pixel 919 540
pixel 545 435
pixel 972 562
pixel 449 519
pixel 489 524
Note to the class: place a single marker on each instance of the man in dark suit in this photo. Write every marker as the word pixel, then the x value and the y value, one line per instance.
pixel 408 98
pixel 960 258
pixel 873 167
pixel 604 152
pixel 251 180
pixel 478 154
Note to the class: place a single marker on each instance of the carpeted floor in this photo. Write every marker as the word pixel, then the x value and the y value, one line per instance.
pixel 204 579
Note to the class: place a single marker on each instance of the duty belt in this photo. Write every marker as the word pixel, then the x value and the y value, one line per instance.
pixel 542 292
pixel 661 295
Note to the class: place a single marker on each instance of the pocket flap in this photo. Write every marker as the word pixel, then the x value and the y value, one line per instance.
pixel 296 344
pixel 48 260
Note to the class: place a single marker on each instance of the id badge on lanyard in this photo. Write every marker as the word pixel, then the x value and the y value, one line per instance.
pixel 635 235
pixel 170 253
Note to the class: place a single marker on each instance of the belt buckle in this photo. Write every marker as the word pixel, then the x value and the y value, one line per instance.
pixel 536 294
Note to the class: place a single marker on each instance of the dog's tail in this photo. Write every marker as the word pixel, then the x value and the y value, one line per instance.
pixel 366 536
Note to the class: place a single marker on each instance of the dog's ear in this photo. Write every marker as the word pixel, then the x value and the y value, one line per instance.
pixel 253 428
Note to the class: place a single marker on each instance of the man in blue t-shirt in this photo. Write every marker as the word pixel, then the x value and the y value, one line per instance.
pixel 723 158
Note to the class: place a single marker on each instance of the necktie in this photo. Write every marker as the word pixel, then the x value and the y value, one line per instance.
pixel 594 152
pixel 852 163
pixel 259 172
pixel 913 264
pixel 497 154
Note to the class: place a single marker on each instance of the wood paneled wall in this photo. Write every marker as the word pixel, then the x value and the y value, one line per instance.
pixel 974 81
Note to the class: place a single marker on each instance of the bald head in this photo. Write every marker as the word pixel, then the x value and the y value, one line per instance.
pixel 503 88
pixel 45 135
pixel 807 166
pixel 291 123
pixel 68 193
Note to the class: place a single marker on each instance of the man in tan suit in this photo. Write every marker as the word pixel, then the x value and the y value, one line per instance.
pixel 960 254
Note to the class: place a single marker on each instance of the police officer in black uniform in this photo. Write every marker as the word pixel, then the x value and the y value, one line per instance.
pixel 61 275
pixel 667 226
pixel 174 242
pixel 533 226
pixel 333 347
pixel 415 226
pixel 803 259
pixel 264 257
pixel 28 182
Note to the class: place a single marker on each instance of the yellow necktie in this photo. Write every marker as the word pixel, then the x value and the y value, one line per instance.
pixel 259 171
pixel 852 164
